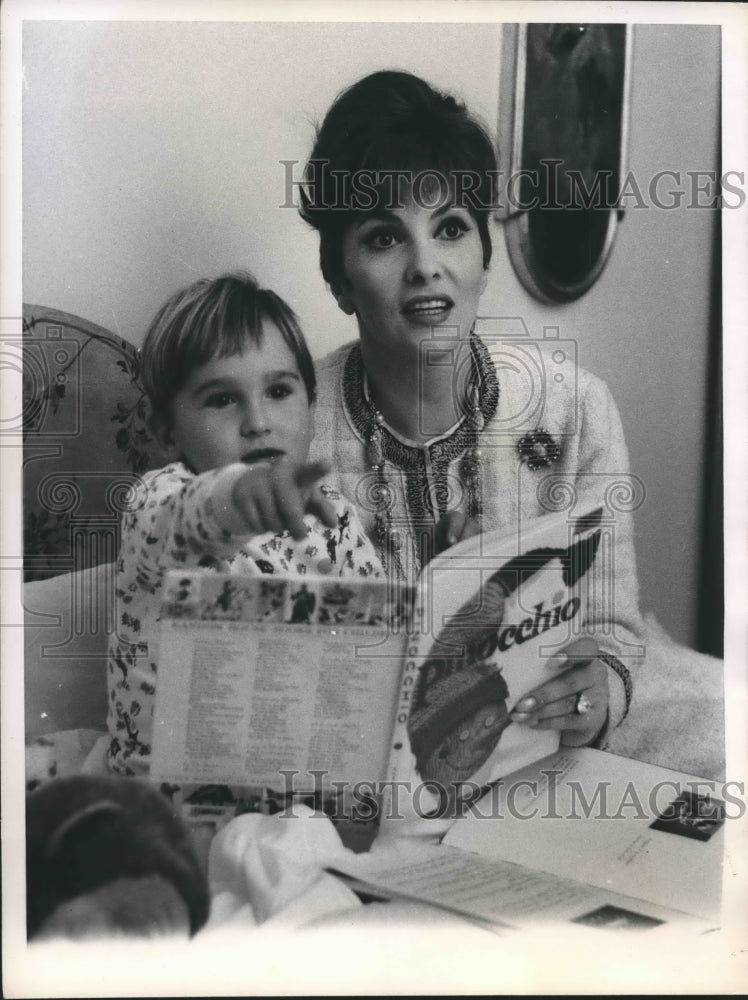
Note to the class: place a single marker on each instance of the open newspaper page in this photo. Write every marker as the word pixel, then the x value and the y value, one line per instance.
pixel 582 837
pixel 503 894
pixel 491 614
pixel 623 825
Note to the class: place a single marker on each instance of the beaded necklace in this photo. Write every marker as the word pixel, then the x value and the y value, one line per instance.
pixel 389 541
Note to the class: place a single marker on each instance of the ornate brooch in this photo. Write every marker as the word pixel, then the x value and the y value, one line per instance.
pixel 538 449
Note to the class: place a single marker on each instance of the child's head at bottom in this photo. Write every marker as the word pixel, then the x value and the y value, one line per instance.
pixel 229 375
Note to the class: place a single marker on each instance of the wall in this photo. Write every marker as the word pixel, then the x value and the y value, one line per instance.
pixel 644 327
pixel 153 153
pixel 152 156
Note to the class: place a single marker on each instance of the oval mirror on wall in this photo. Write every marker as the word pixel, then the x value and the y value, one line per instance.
pixel 564 113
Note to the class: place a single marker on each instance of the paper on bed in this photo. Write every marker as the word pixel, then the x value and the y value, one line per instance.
pixel 501 893
pixel 617 824
pixel 548 844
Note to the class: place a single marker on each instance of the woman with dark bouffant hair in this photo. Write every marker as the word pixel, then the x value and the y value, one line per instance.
pixel 434 427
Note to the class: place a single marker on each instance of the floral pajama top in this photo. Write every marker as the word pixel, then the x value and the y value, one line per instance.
pixel 172 524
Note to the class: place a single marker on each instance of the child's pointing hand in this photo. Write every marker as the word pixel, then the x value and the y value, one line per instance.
pixel 276 497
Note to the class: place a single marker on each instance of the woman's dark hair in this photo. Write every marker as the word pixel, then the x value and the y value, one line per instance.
pixel 388 128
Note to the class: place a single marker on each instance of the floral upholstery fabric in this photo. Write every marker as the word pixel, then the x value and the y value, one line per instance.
pixel 85 440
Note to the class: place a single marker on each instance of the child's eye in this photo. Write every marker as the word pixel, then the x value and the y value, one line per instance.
pixel 219 400
pixel 281 390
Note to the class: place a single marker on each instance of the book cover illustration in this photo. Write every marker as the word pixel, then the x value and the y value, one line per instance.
pixel 496 633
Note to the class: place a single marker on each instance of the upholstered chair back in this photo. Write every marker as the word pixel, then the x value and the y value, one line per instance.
pixel 86 442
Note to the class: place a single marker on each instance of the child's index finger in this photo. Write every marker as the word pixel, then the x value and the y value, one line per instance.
pixel 309 474
pixel 321 507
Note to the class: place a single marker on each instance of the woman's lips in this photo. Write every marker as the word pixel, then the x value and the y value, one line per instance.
pixel 428 308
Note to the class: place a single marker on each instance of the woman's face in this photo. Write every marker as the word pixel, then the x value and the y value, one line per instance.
pixel 411 269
